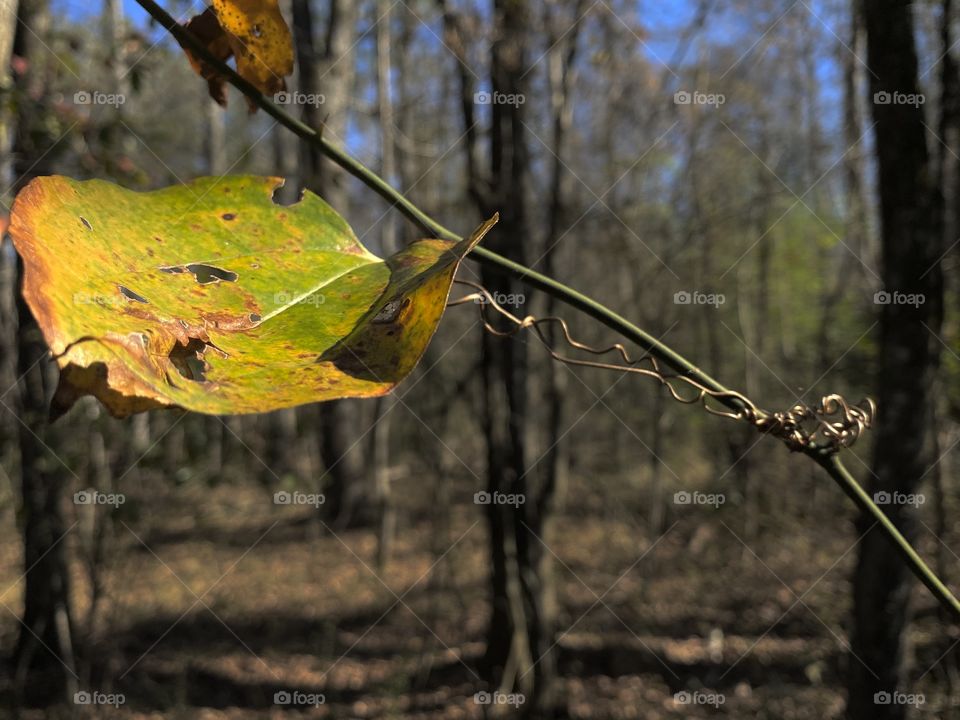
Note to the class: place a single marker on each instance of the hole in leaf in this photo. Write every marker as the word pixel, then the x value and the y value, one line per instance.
pixel 86 223
pixel 131 295
pixel 188 359
pixel 206 274
pixel 229 216
pixel 175 270
pixel 254 318
pixel 286 195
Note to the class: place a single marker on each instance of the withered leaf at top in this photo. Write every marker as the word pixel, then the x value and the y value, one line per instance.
pixel 254 32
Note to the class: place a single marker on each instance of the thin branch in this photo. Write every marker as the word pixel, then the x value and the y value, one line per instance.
pixel 396 199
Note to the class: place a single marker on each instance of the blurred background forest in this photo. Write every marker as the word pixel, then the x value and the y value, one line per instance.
pixel 715 171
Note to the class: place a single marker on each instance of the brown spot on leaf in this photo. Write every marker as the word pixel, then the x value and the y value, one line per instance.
pixel 226 321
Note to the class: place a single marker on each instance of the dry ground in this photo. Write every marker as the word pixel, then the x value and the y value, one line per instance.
pixel 216 599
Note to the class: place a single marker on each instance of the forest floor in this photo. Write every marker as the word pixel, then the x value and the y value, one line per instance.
pixel 215 600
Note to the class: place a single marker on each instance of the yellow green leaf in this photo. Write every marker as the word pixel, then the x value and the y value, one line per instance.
pixel 212 297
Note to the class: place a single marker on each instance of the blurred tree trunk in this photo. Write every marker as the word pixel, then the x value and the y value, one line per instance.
pixel 118 142
pixel 753 314
pixel 308 59
pixel 563 40
pixel 563 43
pixel 386 513
pixel 43 657
pixel 385 111
pixel 849 272
pixel 216 137
pixel 949 126
pixel 520 654
pixel 340 420
pixel 911 211
pixel 8 27
pixel 947 433
pixel 283 452
pixel 9 427
pixel 850 261
pixel 285 165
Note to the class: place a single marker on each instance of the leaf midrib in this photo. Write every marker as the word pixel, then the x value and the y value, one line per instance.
pixel 315 289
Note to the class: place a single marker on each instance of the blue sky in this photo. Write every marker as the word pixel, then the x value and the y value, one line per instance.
pixel 662 22
pixel 661 18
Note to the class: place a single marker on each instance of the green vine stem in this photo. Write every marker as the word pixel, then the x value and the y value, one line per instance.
pixel 827 458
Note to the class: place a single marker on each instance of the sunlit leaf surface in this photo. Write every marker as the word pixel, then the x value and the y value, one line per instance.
pixel 212 297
